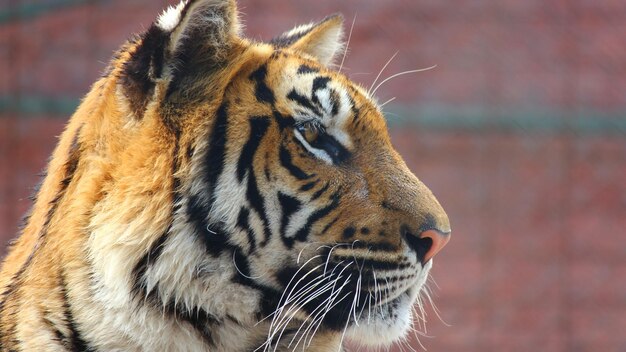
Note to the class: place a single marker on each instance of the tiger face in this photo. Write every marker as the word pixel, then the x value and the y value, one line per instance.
pixel 322 207
pixel 215 193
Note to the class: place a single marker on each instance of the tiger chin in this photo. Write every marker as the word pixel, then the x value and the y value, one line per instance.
pixel 213 193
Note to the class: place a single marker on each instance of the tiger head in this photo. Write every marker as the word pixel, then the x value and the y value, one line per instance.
pixel 253 185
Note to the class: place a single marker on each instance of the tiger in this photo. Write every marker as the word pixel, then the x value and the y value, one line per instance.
pixel 216 193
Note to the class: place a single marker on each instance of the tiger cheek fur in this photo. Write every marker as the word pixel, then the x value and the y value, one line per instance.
pixel 214 193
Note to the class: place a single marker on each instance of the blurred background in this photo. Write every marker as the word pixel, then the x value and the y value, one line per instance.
pixel 520 131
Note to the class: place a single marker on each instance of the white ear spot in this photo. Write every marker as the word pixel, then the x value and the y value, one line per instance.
pixel 170 18
pixel 299 30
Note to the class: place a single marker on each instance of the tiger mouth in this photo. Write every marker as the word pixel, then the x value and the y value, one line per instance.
pixel 393 297
pixel 390 299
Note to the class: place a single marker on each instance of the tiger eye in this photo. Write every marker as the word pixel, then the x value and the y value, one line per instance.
pixel 309 132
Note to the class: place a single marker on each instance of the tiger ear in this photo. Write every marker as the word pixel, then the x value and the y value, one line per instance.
pixel 322 40
pixel 195 35
pixel 208 25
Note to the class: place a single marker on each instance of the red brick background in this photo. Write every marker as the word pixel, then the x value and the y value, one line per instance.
pixel 520 131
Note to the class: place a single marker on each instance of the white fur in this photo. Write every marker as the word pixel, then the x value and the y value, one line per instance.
pixel 170 18
pixel 321 154
pixel 327 48
pixel 303 28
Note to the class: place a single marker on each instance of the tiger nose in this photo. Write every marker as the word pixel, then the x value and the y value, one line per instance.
pixel 427 243
pixel 438 239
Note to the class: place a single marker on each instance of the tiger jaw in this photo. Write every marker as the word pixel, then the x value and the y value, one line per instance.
pixel 391 320
pixel 372 307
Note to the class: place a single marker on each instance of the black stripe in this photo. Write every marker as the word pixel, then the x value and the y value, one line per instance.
pixel 303 101
pixel 284 40
pixel 335 101
pixel 197 207
pixel 147 260
pixel 257 202
pixel 336 318
pixel 320 192
pixel 75 339
pixel 216 155
pixel 303 233
pixel 258 128
pixel 283 121
pixel 12 296
pixel 303 69
pixel 355 111
pixel 331 223
pixel 308 186
pixel 285 161
pixel 289 205
pixel 322 83
pixel 262 92
pixel 199 319
pixel 212 236
pixel 244 224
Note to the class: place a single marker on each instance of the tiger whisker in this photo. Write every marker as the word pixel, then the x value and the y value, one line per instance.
pixel 320 318
pixel 381 72
pixel 432 303
pixel 417 333
pixel 296 308
pixel 310 287
pixel 302 250
pixel 401 74
pixel 345 49
pixel 356 299
pixel 387 102
pixel 369 308
pixel 315 313
pixel 345 328
pixel 305 288
pixel 276 324
pixel 288 284
pixel 240 272
pixel 330 252
pixel 279 318
pixel 308 299
pixel 334 304
pixel 331 303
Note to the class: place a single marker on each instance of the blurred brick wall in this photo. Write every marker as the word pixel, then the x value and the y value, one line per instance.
pixel 530 165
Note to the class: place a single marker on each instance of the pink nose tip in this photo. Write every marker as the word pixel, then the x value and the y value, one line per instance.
pixel 439 240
